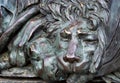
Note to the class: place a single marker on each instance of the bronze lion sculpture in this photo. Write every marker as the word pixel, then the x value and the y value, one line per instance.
pixel 72 40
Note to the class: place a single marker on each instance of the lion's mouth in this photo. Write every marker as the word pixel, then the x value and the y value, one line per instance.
pixel 74 67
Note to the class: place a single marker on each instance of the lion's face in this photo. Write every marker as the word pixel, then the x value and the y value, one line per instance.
pixel 79 44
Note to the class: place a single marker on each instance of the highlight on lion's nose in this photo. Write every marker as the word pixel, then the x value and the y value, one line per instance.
pixel 71 59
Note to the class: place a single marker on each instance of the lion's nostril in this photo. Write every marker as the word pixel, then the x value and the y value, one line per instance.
pixel 71 59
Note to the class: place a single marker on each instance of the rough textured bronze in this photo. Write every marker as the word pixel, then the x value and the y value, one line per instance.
pixel 72 40
pixel 20 80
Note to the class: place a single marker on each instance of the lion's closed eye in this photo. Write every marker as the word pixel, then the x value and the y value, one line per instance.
pixel 88 37
pixel 91 39
pixel 66 35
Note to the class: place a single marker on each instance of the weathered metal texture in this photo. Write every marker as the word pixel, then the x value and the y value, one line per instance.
pixel 21 80
pixel 72 40
pixel 111 59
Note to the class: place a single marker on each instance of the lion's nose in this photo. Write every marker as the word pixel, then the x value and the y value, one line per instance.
pixel 70 56
pixel 71 59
